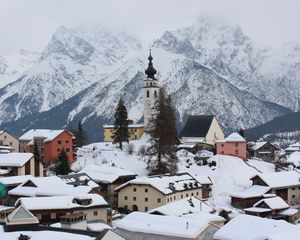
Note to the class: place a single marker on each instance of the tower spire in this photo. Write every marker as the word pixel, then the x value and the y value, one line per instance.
pixel 150 71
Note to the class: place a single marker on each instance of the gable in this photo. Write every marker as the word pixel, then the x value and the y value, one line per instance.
pixel 29 183
pixel 197 126
pixel 21 216
pixel 256 180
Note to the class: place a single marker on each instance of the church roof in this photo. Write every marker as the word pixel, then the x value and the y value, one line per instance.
pixel 150 71
pixel 197 126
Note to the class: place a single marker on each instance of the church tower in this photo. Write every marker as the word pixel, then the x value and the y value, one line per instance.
pixel 151 91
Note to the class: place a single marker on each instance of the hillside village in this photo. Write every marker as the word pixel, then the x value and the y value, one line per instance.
pixel 224 187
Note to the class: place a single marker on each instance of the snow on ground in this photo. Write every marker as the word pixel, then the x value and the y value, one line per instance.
pixel 231 174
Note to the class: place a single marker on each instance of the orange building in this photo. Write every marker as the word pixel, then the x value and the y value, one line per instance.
pixel 49 142
pixel 234 145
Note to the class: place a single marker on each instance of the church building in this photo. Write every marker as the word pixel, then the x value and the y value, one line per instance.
pixel 151 93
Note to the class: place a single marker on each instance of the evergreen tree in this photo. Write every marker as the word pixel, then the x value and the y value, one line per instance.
pixel 121 133
pixel 162 153
pixel 80 135
pixel 242 132
pixel 36 153
pixel 62 166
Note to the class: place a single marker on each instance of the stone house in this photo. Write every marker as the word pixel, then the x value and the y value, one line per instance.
pixel 9 140
pixel 264 150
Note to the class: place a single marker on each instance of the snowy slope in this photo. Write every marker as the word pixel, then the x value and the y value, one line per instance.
pixel 12 66
pixel 270 74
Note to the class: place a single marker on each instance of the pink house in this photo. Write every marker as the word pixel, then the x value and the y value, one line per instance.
pixel 233 145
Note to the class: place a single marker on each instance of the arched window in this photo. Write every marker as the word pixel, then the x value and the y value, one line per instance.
pixel 151 84
pixel 155 95
pixel 147 93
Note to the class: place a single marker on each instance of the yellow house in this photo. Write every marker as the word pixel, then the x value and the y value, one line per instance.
pixel 135 132
pixel 146 193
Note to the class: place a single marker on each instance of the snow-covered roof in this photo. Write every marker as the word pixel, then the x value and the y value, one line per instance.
pixel 79 179
pixel 166 184
pixel 249 227
pixel 48 186
pixel 15 179
pixel 273 203
pixel 60 202
pixel 280 179
pixel 253 191
pixel 106 174
pixel 45 235
pixel 48 134
pixel 293 147
pixel 183 206
pixel 136 125
pixel 183 227
pixel 186 145
pixel 257 209
pixel 14 159
pixel 98 226
pixel 233 137
pixel 294 158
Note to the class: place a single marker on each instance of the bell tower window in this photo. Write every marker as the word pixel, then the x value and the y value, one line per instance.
pixel 148 95
pixel 155 95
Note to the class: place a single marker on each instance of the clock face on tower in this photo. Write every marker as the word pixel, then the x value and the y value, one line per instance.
pixel 147 103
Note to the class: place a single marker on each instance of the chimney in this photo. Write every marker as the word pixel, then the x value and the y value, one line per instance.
pixel 23 237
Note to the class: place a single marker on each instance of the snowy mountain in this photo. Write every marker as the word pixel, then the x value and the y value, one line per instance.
pixel 13 66
pixel 71 62
pixel 210 67
pixel 270 74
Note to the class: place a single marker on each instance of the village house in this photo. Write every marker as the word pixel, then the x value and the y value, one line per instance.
pixel 273 207
pixel 282 184
pixel 45 187
pixel 108 179
pixel 249 227
pixel 50 209
pixel 233 145
pixel 49 142
pixel 138 225
pixel 19 164
pixel 81 179
pixel 264 150
pixel 293 147
pixel 9 140
pixel 146 193
pixel 195 147
pixel 135 132
pixel 201 128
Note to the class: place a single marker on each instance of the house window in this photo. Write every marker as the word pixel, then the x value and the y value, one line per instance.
pixel 39 216
pixel 134 189
pixel 293 188
pixel 52 215
pixel 10 143
pixel 95 213
pixel 5 137
pixel 222 152
pixel 222 145
pixel 293 196
pixel 126 198
pixel 67 149
pixel 126 207
pixel 174 197
pixel 59 142
pixel 146 199
pixel 192 194
pixel 134 198
pixel 181 196
pixel 146 209
pixel 58 149
pixel 146 189
pixel 67 141
pixel 236 144
pixel 158 200
pixel 236 151
pixel 197 193
pixel 187 195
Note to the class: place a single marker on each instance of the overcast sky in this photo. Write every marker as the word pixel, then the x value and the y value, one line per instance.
pixel 29 24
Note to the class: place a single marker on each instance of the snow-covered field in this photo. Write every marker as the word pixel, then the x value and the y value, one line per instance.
pixel 230 174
